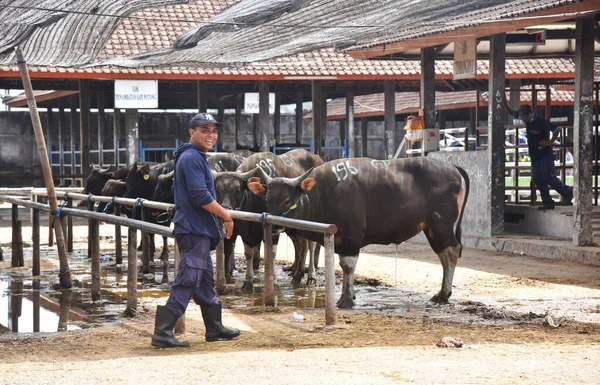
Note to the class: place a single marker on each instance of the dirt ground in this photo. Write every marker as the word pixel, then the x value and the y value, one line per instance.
pixel 498 309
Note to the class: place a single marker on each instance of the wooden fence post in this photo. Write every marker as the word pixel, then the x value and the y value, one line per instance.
pixel 269 280
pixel 35 240
pixel 131 272
pixel 118 243
pixel 94 242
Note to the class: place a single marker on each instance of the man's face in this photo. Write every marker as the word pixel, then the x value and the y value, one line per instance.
pixel 527 118
pixel 204 137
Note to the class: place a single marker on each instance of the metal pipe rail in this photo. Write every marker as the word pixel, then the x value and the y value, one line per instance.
pixel 268 221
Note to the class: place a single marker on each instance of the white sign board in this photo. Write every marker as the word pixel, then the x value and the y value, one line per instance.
pixel 465 59
pixel 136 94
pixel 251 103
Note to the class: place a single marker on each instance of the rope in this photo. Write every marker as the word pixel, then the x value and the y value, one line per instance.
pixel 292 207
pixel 169 216
pixel 57 213
pixel 109 205
pixel 241 202
pixel 139 202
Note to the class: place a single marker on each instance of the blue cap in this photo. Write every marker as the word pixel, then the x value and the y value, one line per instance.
pixel 201 119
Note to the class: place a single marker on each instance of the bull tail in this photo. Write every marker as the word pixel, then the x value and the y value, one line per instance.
pixel 458 233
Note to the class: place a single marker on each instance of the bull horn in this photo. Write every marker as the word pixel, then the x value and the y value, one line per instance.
pixel 251 173
pixel 163 177
pixel 264 175
pixel 299 179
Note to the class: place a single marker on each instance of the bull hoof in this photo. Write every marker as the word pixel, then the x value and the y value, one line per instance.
pixel 248 287
pixel 229 280
pixel 311 281
pixel 288 268
pixel 439 298
pixel 297 279
pixel 345 302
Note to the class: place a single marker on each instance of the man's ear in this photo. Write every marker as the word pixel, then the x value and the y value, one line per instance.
pixel 256 187
pixel 307 184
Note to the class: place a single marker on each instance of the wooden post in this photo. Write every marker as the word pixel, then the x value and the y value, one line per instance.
pixel 64 274
pixel 73 128
pixel 202 95
pixel 263 116
pixel 146 257
pixel 17 239
pixel 36 305
pixel 220 119
pixel 269 280
pixel 350 125
pixel 94 240
pixel 496 133
pixel 35 240
pixel 61 138
pixel 118 243
pixel 329 280
pixel 70 227
pixel 131 272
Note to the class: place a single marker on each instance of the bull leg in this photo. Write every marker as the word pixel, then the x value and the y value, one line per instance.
pixel 317 251
pixel 164 255
pixel 446 246
pixel 312 277
pixel 300 250
pixel 229 246
pixel 248 286
pixel 152 247
pixel 256 260
pixel 348 264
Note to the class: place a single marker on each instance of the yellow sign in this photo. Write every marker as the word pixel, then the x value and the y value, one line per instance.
pixel 465 59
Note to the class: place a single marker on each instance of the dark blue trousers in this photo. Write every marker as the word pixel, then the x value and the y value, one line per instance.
pixel 195 278
pixel 544 175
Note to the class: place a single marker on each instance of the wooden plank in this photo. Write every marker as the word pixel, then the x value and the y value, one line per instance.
pixel 263 116
pixel 317 113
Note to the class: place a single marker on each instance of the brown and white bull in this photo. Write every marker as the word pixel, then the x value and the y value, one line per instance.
pixel 377 202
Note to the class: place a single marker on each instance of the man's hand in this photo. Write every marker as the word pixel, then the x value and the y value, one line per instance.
pixel 228 228
pixel 546 143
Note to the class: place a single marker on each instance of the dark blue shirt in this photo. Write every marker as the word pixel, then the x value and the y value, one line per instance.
pixel 193 187
pixel 539 129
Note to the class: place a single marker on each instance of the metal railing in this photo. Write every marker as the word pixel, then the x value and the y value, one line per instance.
pixel 268 221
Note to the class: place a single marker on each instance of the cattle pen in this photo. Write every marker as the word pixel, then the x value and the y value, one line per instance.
pixel 94 219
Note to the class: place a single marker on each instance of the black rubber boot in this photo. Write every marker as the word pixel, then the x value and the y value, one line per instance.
pixel 163 330
pixel 214 327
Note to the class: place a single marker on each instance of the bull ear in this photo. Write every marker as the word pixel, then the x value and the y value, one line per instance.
pixel 133 168
pixel 256 187
pixel 307 184
pixel 145 169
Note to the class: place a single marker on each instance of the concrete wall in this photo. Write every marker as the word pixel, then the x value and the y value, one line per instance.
pixel 476 220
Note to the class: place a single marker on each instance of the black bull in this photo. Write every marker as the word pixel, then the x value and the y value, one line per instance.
pixel 377 202
pixel 232 193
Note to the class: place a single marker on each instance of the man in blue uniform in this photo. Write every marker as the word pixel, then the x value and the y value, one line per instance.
pixel 541 135
pixel 197 234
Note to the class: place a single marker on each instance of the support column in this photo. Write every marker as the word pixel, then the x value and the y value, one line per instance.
pixel 202 96
pixel 364 123
pixel 263 116
pixel 61 138
pixel 277 119
pixel 496 135
pixel 389 97
pixel 317 134
pixel 116 135
pixel 515 95
pixel 428 86
pixel 50 130
pixel 350 125
pixel 84 125
pixel 220 119
pixel 583 131
pixel 101 116
pixel 132 154
pixel 299 116
pixel 239 105
pixel 73 129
